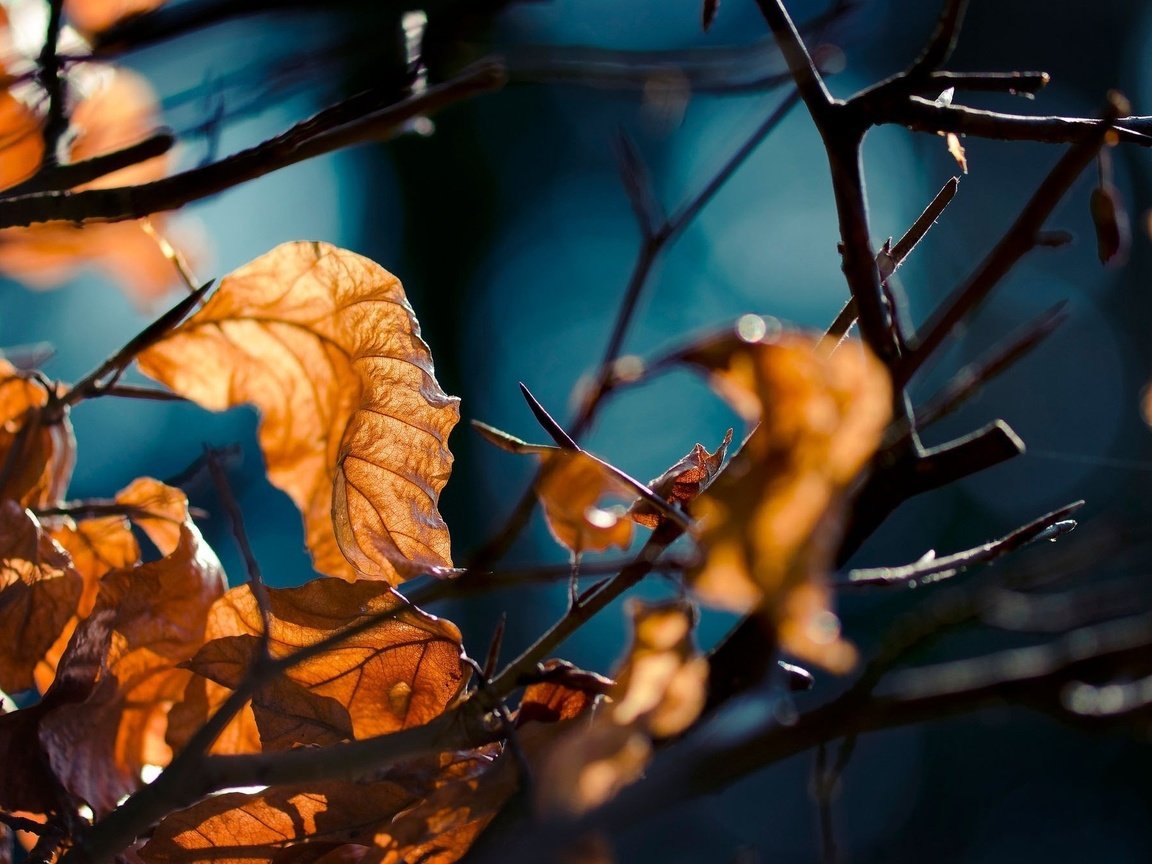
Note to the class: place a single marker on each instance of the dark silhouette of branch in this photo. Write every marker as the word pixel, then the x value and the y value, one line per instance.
pixel 351 122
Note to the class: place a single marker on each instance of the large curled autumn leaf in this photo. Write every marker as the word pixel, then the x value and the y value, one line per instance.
pixel 354 425
pixel 770 524
pixel 398 673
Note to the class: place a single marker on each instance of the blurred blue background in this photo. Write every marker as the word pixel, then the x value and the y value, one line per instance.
pixel 512 234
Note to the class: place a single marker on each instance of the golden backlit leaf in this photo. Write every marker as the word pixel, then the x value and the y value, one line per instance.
pixel 122 110
pixel 573 488
pixel 95 16
pixel 399 673
pixel 428 812
pixel 564 693
pixel 770 524
pixel 37 453
pixel 956 150
pixel 160 612
pixel 660 690
pixel 281 824
pixel 21 140
pixel 39 592
pixel 353 426
pixel 682 482
pixel 664 681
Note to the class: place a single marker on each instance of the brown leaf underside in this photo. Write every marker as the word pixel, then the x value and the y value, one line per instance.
pixel 353 425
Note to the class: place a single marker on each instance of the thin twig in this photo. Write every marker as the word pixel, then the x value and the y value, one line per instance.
pixel 972 377
pixel 1047 527
pixel 106 375
pixel 240 534
pixel 1016 242
pixel 332 129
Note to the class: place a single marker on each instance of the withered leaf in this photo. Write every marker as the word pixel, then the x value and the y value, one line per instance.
pixel 160 611
pixel 398 673
pixel 660 691
pixel 769 525
pixel 428 812
pixel 39 592
pixel 956 150
pixel 682 482
pixel 29 782
pixel 564 693
pixel 573 487
pixel 354 426
pixel 121 110
pixel 95 16
pixel 37 452
pixel 21 140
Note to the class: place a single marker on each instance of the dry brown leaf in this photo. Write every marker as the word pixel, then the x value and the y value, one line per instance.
pixel 564 693
pixel 28 782
pixel 572 488
pixel 682 482
pixel 122 110
pixel 36 453
pixel 660 691
pixel 354 426
pixel 279 825
pixel 956 150
pixel 160 611
pixel 428 812
pixel 769 525
pixel 21 141
pixel 399 673
pixel 95 16
pixel 39 592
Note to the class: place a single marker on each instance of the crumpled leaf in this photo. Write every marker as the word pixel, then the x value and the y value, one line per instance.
pixel 95 16
pixel 430 811
pixel 572 488
pixel 160 612
pixel 39 591
pixel 120 110
pixel 682 482
pixel 660 691
pixel 354 426
pixel 564 693
pixel 769 524
pixel 98 546
pixel 28 782
pixel 399 673
pixel 37 453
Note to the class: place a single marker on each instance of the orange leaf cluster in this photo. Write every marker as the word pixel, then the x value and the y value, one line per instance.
pixel 659 692
pixel 102 637
pixel 769 526
pixel 354 426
